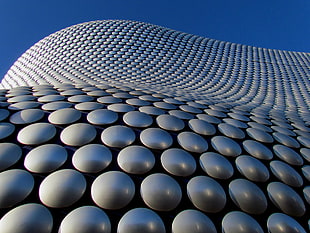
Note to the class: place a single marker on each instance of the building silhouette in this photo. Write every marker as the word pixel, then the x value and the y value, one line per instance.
pixel 126 126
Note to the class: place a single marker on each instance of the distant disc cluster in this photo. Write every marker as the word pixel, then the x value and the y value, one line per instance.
pixel 122 126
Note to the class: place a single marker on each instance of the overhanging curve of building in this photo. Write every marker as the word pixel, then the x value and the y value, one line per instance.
pixel 126 126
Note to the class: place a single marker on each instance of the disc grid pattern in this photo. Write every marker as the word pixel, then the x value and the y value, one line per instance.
pixel 124 126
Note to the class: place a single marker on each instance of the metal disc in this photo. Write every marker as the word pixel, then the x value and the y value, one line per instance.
pixel 91 158
pixel 226 146
pixel 206 194
pixel 6 129
pixel 192 221
pixel 102 117
pixel 45 158
pixel 118 136
pixel 86 219
pixel 36 133
pixel 160 192
pixel 286 199
pixel 64 116
pixel 169 122
pixel 192 142
pixel 26 116
pixel 281 223
pixel 10 153
pixel 216 165
pixel 247 196
pixel 112 190
pixel 137 119
pixel 155 138
pixel 62 188
pixel 286 173
pixel 245 223
pixel 31 218
pixel 252 168
pixel 257 149
pixel 141 220
pixel 136 159
pixel 78 134
pixel 15 185
pixel 178 162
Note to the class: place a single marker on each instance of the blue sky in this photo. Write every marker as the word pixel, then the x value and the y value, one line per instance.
pixel 278 24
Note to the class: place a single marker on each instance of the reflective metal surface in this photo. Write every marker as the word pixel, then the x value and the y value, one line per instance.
pixel 155 138
pixel 181 114
pixel 206 194
pixel 31 218
pixel 281 223
pixel 88 106
pixel 10 153
pixel 118 136
pixel 141 220
pixel 192 221
pixel 192 142
pixel 208 118
pixel 225 146
pixel 36 134
pixel 86 219
pixel 55 105
pixel 6 129
pixel 286 173
pixel 245 223
pixel 136 159
pixel 78 134
pixel 202 128
pixel 288 155
pixel 306 192
pixel 160 192
pixel 137 119
pixel 259 135
pixel 231 131
pixel 102 117
pixel 45 158
pixel 62 188
pixel 4 114
pixel 91 158
pixel 216 165
pixel 247 196
pixel 305 141
pixel 169 122
pixel 286 140
pixel 50 98
pixel 64 116
pixel 121 107
pixel 252 168
pixel 109 100
pixel 15 185
pixel 286 199
pixel 80 98
pixel 257 149
pixel 178 162
pixel 112 190
pixel 26 116
pixel 151 110
pixel 235 123
pixel 305 152
pixel 306 172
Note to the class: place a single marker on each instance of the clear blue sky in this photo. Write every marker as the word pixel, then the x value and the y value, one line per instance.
pixel 278 24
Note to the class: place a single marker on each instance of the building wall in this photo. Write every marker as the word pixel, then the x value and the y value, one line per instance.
pixel 155 129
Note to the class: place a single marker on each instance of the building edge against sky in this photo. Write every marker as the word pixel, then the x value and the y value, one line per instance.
pixel 113 120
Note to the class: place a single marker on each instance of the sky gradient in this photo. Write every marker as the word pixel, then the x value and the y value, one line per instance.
pixel 276 24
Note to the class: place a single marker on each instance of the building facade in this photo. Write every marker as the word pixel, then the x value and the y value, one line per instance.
pixel 131 127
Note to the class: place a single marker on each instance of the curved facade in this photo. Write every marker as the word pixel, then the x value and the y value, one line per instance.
pixel 125 126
